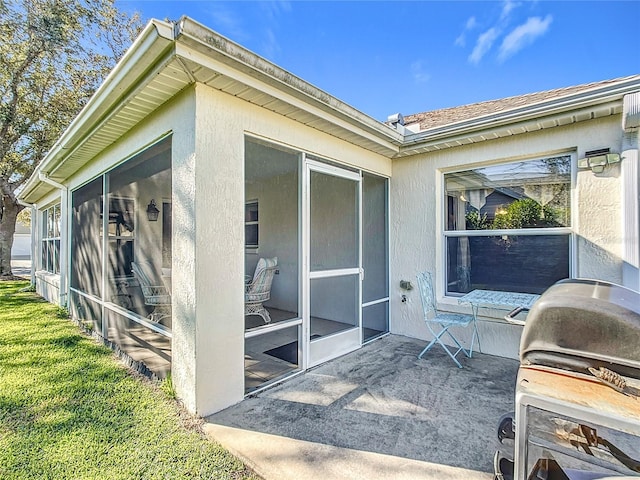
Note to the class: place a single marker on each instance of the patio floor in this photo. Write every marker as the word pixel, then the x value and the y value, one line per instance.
pixel 377 413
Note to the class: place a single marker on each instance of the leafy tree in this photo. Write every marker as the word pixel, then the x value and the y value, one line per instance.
pixel 525 213
pixel 475 221
pixel 54 55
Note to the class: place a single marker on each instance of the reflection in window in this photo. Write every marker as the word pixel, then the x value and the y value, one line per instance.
pixel 137 262
pixel 527 197
pixel 50 246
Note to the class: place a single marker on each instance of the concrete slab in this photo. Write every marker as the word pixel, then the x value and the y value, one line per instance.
pixel 377 413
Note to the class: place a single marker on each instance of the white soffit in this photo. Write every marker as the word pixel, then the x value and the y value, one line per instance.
pixel 440 138
pixel 164 84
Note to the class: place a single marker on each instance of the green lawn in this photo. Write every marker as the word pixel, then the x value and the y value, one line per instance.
pixel 68 409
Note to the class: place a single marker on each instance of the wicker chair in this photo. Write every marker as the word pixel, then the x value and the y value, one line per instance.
pixel 155 293
pixel 258 290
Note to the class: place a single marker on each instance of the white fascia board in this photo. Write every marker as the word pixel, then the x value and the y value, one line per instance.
pixel 150 45
pixel 259 73
pixel 327 114
pixel 550 108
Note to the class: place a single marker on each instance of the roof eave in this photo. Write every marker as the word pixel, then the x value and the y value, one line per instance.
pixel 201 38
pixel 152 42
pixel 433 137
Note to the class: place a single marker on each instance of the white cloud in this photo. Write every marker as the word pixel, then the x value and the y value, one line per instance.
pixel 418 73
pixel 471 23
pixel 227 23
pixel 270 45
pixel 523 35
pixel 507 7
pixel 483 45
pixel 274 9
pixel 461 40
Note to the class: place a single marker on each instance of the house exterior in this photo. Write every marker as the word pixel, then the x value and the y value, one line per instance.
pixel 197 163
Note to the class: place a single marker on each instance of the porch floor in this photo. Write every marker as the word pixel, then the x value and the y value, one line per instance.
pixel 376 413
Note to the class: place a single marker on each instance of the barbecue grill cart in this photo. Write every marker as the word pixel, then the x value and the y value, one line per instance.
pixel 577 403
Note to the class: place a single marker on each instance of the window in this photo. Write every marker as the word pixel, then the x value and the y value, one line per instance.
pixel 51 239
pixel 251 224
pixel 507 226
pixel 121 225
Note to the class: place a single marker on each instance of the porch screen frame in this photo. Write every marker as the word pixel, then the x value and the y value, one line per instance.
pixel 102 300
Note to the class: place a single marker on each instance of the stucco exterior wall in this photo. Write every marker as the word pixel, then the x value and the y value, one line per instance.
pixel 417 219
pixel 176 117
pixel 222 121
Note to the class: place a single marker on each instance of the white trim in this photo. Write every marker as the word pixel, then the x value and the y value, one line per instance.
pixel 156 327
pixel 520 232
pixel 375 302
pixel 441 193
pixel 161 329
pixel 338 272
pixel 305 250
pixel 630 173
pixel 272 327
pixel 333 171
pixel 330 346
pixel 85 295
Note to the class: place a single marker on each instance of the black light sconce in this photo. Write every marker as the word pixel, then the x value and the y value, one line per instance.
pixel 152 211
pixel 596 160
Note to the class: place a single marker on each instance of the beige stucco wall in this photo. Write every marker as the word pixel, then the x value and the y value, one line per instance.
pixel 417 210
pixel 222 121
pixel 175 117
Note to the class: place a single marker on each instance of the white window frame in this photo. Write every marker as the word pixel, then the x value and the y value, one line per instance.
pixel 252 247
pixel 445 234
pixel 50 240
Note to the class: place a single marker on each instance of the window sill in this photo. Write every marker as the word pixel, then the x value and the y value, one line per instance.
pixel 490 315
pixel 48 277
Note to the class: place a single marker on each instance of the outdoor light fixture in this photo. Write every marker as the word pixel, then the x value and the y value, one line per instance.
pixel 152 211
pixel 596 160
pixel 406 285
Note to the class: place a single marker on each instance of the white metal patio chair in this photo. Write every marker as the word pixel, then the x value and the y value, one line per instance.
pixel 434 318
pixel 258 290
pixel 155 293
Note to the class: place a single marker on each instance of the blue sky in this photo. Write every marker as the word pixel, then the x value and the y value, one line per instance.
pixel 384 57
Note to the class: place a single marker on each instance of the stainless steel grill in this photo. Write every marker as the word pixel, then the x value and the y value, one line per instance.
pixel 581 324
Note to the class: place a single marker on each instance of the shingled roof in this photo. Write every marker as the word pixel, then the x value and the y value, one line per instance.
pixel 446 116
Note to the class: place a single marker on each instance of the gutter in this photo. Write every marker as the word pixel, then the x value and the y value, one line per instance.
pixel 25 204
pixel 144 49
pixel 45 178
pixel 198 36
pixel 611 93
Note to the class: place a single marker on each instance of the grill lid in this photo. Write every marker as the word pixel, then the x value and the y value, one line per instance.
pixel 578 323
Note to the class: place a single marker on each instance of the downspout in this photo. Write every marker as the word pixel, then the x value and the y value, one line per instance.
pixel 64 199
pixel 43 177
pixel 630 153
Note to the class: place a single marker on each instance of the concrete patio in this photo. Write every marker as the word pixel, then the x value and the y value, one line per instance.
pixel 377 413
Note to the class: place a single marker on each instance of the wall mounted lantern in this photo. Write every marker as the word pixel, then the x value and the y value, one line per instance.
pixel 596 160
pixel 152 211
